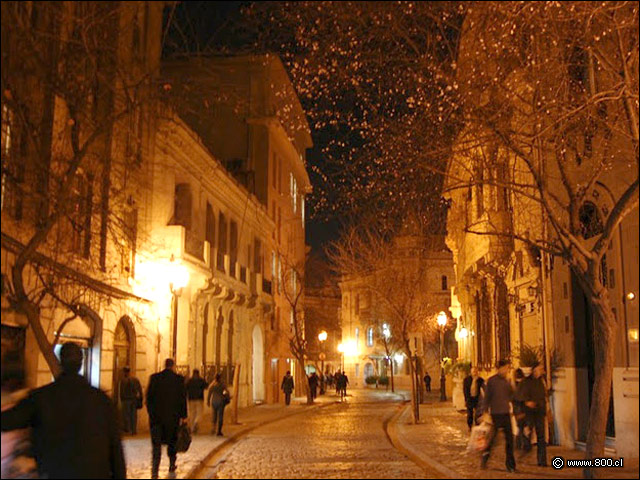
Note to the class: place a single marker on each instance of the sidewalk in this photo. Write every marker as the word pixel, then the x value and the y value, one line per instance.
pixel 137 450
pixel 439 442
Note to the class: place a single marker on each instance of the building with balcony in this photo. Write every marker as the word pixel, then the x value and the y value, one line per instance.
pixel 248 115
pixel 510 294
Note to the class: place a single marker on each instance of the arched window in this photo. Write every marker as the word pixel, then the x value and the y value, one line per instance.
pixel 590 221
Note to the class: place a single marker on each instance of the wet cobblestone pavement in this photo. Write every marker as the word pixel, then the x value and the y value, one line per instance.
pixel 345 440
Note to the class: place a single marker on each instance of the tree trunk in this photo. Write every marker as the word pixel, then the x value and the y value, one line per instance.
pixel 393 388
pixel 32 312
pixel 604 351
pixel 415 406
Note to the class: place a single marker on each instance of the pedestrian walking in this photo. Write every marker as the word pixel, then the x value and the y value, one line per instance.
pixel 287 387
pixel 522 438
pixel 338 379
pixel 196 385
pixel 497 400
pixel 130 399
pixel 342 385
pixel 427 382
pixel 532 393
pixel 17 457
pixel 74 426
pixel 313 385
pixel 218 397
pixel 167 407
pixel 472 387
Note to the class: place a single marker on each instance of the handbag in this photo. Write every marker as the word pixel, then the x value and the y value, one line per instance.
pixel 226 398
pixel 184 438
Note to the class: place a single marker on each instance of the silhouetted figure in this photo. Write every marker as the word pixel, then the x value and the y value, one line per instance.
pixel 130 398
pixel 472 387
pixel 74 425
pixel 532 392
pixel 343 381
pixel 287 387
pixel 313 385
pixel 497 397
pixel 518 411
pixel 196 386
pixel 427 382
pixel 167 407
pixel 218 397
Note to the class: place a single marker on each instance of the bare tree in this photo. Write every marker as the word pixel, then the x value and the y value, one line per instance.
pixel 550 94
pixel 72 107
pixel 394 268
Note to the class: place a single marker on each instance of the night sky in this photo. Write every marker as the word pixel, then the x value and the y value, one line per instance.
pixel 360 165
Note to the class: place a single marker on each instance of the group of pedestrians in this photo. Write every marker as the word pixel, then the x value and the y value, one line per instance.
pixel 522 402
pixel 75 432
pixel 339 379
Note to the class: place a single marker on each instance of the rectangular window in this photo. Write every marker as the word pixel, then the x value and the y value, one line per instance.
pixel 302 209
pixel 294 192
pixel 370 337
pixel 357 337
pixel 565 290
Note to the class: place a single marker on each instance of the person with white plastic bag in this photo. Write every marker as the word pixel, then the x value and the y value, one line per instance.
pixel 497 403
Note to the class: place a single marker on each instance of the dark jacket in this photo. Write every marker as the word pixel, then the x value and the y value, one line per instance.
pixel 466 387
pixel 287 384
pixel 532 390
pixel 195 388
pixel 497 395
pixel 313 380
pixel 166 399
pixel 216 394
pixel 130 389
pixel 74 430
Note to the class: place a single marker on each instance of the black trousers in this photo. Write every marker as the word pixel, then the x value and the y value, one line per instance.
pixel 168 434
pixel 287 398
pixel 472 411
pixel 502 421
pixel 535 419
pixel 218 415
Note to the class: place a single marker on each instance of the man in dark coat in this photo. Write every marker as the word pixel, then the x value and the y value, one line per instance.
pixel 497 399
pixel 313 385
pixel 130 398
pixel 427 382
pixel 287 387
pixel 74 425
pixel 167 407
pixel 472 386
pixel 532 393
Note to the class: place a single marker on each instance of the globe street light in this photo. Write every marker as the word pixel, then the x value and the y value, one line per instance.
pixel 442 323
pixel 322 337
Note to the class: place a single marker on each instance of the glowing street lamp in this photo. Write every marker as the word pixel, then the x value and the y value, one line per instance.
pixel 442 323
pixel 341 350
pixel 322 337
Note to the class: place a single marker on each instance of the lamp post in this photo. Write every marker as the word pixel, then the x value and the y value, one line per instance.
pixel 341 350
pixel 442 322
pixel 322 337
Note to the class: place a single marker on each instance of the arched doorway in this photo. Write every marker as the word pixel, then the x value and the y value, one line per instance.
pixel 258 365
pixel 123 351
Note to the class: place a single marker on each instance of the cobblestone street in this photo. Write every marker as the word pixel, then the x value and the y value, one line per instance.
pixel 345 440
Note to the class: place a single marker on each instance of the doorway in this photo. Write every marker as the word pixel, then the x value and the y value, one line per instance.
pixel 258 365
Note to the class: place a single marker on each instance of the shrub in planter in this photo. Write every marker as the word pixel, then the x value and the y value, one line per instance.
pixel 371 380
pixel 383 381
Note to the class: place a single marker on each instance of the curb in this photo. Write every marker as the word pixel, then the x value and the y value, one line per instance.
pixel 428 465
pixel 234 438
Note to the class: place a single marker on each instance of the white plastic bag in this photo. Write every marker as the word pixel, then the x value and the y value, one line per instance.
pixel 480 436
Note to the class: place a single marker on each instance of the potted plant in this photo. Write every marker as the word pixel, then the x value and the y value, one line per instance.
pixel 371 381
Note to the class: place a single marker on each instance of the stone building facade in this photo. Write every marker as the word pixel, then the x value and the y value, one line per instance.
pixel 173 243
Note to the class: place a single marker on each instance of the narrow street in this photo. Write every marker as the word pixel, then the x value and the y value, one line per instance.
pixel 344 440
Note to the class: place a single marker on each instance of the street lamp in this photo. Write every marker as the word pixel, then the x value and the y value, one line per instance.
pixel 442 323
pixel 322 337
